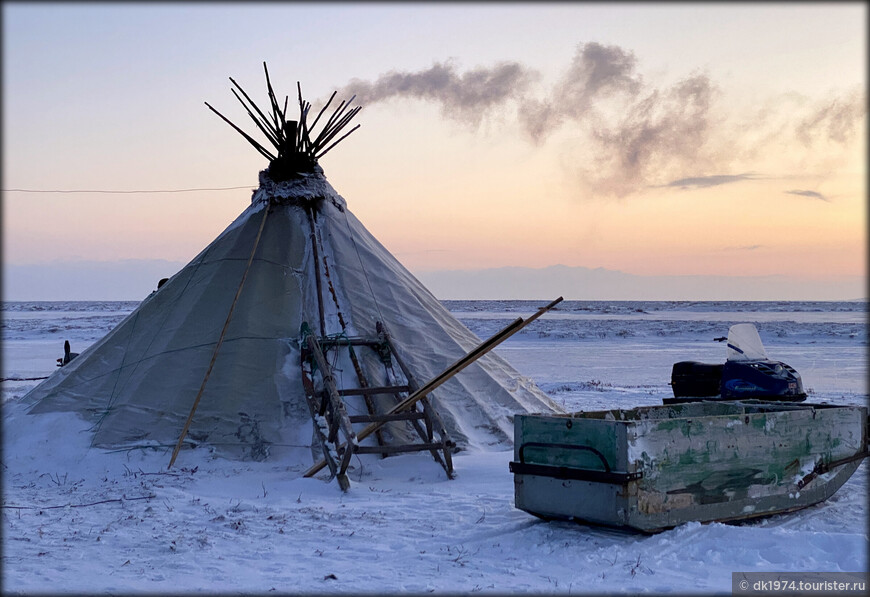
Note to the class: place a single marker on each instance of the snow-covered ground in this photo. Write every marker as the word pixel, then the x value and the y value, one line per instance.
pixel 81 520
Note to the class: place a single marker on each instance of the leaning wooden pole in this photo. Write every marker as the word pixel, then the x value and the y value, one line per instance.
pixel 447 374
pixel 220 339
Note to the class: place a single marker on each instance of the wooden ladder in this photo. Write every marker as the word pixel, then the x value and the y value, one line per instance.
pixel 326 404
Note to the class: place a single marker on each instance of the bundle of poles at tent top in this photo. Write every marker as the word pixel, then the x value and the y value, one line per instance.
pixel 295 150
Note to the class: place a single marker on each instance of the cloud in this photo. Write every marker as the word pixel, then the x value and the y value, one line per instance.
pixel 811 194
pixel 745 248
pixel 710 181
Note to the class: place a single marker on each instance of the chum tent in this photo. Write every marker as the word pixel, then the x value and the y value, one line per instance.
pixel 219 355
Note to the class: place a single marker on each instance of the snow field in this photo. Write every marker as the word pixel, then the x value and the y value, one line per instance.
pixel 81 520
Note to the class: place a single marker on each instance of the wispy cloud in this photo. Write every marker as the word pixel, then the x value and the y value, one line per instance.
pixel 745 248
pixel 810 194
pixel 710 181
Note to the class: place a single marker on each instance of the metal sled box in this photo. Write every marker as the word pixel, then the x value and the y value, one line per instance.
pixel 652 468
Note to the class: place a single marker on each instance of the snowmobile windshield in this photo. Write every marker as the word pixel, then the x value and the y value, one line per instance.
pixel 744 343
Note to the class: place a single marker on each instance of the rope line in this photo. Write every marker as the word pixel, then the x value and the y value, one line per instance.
pixel 363 268
pixel 220 341
pixel 123 192
pixel 113 395
pixel 116 392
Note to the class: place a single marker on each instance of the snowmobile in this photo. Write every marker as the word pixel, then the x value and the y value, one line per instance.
pixel 747 373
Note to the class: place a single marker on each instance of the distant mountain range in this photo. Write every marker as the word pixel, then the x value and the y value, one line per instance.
pixel 128 279
pixel 134 279
pixel 602 284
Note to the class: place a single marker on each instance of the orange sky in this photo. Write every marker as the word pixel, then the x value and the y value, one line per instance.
pixel 767 101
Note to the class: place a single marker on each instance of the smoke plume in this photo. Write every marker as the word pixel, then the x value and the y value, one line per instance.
pixel 464 97
pixel 833 120
pixel 597 73
pixel 632 134
pixel 659 133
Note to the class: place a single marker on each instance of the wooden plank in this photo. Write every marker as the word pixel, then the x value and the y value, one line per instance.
pixel 318 284
pixel 448 373
pixel 263 151
pixel 467 360
pixel 373 390
pixel 433 418
pixel 363 381
pixel 327 343
pixel 329 383
pixel 338 411
pixel 425 434
pixel 396 449
pixel 311 400
pixel 393 417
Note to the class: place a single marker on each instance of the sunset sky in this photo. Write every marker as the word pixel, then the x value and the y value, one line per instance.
pixel 672 139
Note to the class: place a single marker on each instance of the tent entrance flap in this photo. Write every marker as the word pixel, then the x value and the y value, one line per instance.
pixel 333 426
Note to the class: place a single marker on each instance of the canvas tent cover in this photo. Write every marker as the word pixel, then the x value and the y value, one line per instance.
pixel 138 383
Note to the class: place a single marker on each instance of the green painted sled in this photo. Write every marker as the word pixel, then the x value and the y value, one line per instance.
pixel 652 468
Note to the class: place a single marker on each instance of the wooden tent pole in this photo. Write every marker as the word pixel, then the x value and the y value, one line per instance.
pixel 221 338
pixel 448 373
pixel 318 284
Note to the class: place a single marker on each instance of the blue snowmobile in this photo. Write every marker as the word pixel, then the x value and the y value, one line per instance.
pixel 747 373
